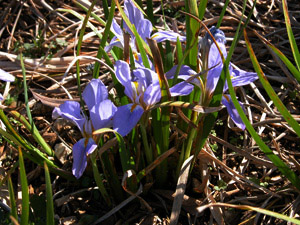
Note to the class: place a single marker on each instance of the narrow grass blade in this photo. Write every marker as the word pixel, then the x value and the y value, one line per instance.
pixel 13 206
pixel 49 198
pixel 78 50
pixel 222 14
pixel 25 191
pixel 202 8
pixel 155 163
pixel 143 47
pixel 104 39
pixel 180 189
pixel 283 168
pixel 272 94
pixel 293 43
pixel 126 160
pixel 105 8
pixel 33 130
pixel 36 154
pixel 95 16
pixel 35 133
pixel 210 119
pixel 165 112
pixel 76 14
pixel 286 61
pixel 99 181
pixel 150 11
pixel 251 208
pixel 193 28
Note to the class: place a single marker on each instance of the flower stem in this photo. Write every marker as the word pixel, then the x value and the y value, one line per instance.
pixel 99 180
pixel 148 150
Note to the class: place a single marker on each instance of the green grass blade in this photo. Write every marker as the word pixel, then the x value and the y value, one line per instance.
pixel 142 45
pixel 126 160
pixel 284 59
pixel 33 130
pixel 210 119
pixel 202 8
pixel 25 191
pixel 12 199
pixel 104 39
pixel 95 16
pixel 35 153
pixel 193 34
pixel 49 198
pixel 256 209
pixel 283 168
pixel 35 133
pixel 99 181
pixel 105 8
pixel 76 14
pixel 78 50
pixel 293 43
pixel 141 48
pixel 222 14
pixel 270 91
pixel 150 11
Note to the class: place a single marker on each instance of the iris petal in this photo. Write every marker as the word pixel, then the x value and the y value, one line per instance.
pixel 101 114
pixel 70 111
pixel 152 95
pixel 81 149
pixel 114 42
pixel 126 118
pixel 168 35
pixel 182 88
pixel 94 93
pixel 123 75
pixel 5 76
pixel 184 70
pixel 144 29
pixel 214 58
pixel 232 111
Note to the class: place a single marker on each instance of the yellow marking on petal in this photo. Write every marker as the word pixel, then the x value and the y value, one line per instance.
pixel 136 85
pixel 136 56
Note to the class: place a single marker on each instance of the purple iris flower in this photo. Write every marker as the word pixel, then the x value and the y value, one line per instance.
pixel 211 58
pixel 143 27
pixel 101 112
pixel 5 76
pixel 142 87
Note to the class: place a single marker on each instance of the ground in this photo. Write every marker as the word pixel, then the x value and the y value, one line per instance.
pixel 231 169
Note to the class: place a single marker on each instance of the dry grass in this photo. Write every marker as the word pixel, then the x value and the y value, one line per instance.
pixel 231 168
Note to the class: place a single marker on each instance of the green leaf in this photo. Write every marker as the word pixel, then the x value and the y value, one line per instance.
pixel 104 39
pixel 13 206
pixel 126 161
pixel 49 198
pixel 143 47
pixel 286 61
pixel 293 43
pixel 222 14
pixel 33 130
pixel 25 191
pixel 270 91
pixel 284 169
